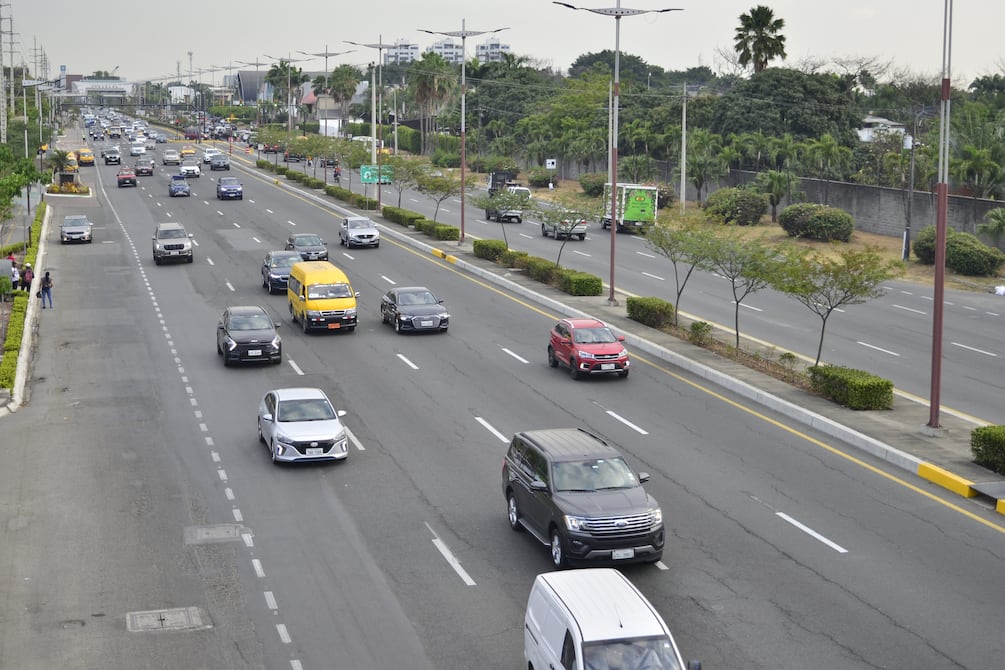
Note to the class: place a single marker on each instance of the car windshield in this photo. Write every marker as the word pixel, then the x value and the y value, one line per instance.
pixel 594 474
pixel 75 221
pixel 357 224
pixel 309 409
pixel 329 291
pixel 416 298
pixel 593 336
pixel 250 322
pixel 284 261
pixel 171 234
pixel 655 653
pixel 307 241
pixel 179 179
pixel 228 181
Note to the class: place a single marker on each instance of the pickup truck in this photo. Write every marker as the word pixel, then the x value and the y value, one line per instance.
pixel 567 228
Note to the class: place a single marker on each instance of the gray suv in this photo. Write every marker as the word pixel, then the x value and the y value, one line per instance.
pixel 172 243
pixel 574 492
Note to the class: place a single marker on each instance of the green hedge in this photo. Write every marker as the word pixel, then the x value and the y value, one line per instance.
pixel 652 312
pixel 987 444
pixel 541 269
pixel 404 217
pixel 965 254
pixel 490 250
pixel 444 232
pixel 816 222
pixel 855 389
pixel 12 344
pixel 580 283
pixel 592 183
pixel 513 259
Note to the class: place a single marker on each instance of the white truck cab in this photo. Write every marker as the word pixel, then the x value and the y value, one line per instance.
pixel 595 619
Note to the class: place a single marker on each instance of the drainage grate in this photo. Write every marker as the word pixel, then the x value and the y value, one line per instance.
pixel 222 532
pixel 179 618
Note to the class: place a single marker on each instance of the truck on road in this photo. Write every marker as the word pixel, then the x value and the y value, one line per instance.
pixel 635 206
pixel 513 197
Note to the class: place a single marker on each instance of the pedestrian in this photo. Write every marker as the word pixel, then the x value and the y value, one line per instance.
pixel 10 256
pixel 26 276
pixel 15 276
pixel 46 289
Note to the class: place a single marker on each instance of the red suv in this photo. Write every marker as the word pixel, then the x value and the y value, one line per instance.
pixel 587 347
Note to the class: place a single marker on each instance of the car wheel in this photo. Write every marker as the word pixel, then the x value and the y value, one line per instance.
pixel 226 362
pixel 376 246
pixel 191 258
pixel 552 361
pixel 513 513
pixel 544 231
pixel 272 453
pixel 557 551
pixel 582 236
pixel 573 369
pixel 623 374
pixel 397 324
pixel 383 316
pixel 519 219
pixel 157 261
pixel 304 325
pixel 261 438
pixel 219 351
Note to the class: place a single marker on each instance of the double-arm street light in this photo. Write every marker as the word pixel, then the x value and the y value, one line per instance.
pixel 617 12
pixel 464 34
pixel 289 93
pixel 376 129
pixel 326 55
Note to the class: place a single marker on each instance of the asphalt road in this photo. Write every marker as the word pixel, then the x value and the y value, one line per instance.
pixel 782 552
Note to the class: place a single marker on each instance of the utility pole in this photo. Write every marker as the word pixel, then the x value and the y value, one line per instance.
pixel 3 90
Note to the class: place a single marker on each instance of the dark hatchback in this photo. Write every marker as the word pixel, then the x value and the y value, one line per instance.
pixel 310 246
pixel 276 269
pixel 247 334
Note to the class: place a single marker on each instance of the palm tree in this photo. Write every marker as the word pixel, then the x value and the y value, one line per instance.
pixel 285 79
pixel 774 184
pixel 757 40
pixel 431 80
pixel 341 84
pixel 58 160
pixel 995 226
pixel 829 156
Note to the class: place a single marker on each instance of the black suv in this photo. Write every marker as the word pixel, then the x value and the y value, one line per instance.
pixel 574 492
pixel 113 156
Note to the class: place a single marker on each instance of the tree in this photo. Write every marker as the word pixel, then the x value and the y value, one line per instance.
pixel 995 226
pixel 438 189
pixel 685 243
pixel 749 264
pixel 758 39
pixel 431 80
pixel 502 201
pixel 407 171
pixel 58 160
pixel 341 85
pixel 824 285
pixel 704 163
pixel 775 185
pixel 829 157
pixel 563 213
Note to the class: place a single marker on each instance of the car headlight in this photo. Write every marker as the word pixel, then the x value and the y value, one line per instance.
pixel 276 341
pixel 313 314
pixel 585 354
pixel 576 523
pixel 622 353
pixel 657 515
pixel 350 311
pixel 231 344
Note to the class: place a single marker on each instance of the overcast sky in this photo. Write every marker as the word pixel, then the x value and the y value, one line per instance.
pixel 144 44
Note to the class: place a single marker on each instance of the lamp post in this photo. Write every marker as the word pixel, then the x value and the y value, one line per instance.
pixel 464 34
pixel 289 93
pixel 258 91
pixel 376 125
pixel 326 55
pixel 617 12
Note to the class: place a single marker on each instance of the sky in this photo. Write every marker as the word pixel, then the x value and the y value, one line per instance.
pixel 104 35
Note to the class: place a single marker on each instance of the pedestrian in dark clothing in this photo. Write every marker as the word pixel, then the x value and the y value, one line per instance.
pixel 27 274
pixel 46 289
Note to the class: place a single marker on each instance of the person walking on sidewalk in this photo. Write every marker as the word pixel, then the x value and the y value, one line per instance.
pixel 46 290
pixel 26 276
pixel 15 276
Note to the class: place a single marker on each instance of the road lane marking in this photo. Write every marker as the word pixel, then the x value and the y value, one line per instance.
pixel 249 541
pixel 259 570
pixel 408 362
pixel 238 517
pixel 215 456
pixel 290 222
pixel 352 438
pixel 582 253
pixel 812 533
pixel 257 241
pixel 615 415
pixel 210 261
pixel 229 493
pixel 269 210
pixel 230 286
pixel 885 351
pixel 389 280
pixel 489 427
pixel 284 634
pixel 529 237
pixel 748 306
pixel 270 601
pixel 516 356
pixel 651 276
pixel 451 559
pixel 642 253
pixel 974 349
pixel 222 474
pixel 661 565
pixel 296 368
pixel 235 223
pixel 908 309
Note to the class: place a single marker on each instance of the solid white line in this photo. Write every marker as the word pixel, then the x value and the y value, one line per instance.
pixel 296 368
pixel 270 601
pixel 626 422
pixel 651 276
pixel 519 358
pixel 446 553
pixel 352 438
pixel 238 517
pixel 892 353
pixel 908 309
pixel 812 533
pixel 230 286
pixel 284 634
pixel 257 565
pixel 975 350
pixel 388 280
pixel 488 427
pixel 408 362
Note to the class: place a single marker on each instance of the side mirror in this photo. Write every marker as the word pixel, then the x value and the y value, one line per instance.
pixel 276 324
pixel 621 338
pixel 356 295
pixel 538 485
pixel 341 413
pixel 643 477
pixel 191 235
pixel 267 417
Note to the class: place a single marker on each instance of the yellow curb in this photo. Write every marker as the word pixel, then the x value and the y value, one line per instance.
pixel 439 254
pixel 947 480
pixel 1000 507
pixel 449 258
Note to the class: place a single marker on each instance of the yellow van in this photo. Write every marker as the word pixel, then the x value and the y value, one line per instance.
pixel 321 297
pixel 85 157
pixel 71 162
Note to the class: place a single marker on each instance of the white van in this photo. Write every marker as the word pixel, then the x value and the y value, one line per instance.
pixel 595 619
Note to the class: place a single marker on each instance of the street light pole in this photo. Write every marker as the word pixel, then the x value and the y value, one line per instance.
pixel 617 12
pixel 326 55
pixel 464 34
pixel 376 126
pixel 258 91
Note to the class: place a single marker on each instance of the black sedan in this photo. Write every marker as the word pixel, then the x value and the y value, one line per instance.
pixel 413 308
pixel 247 334
pixel 276 269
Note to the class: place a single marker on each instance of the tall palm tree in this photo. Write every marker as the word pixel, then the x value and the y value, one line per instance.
pixel 758 39
pixel 829 157
pixel 285 79
pixel 431 80
pixel 341 84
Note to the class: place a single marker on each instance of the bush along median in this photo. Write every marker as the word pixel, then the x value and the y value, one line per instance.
pixel 543 270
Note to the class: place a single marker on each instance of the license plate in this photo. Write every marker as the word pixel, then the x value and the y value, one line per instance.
pixel 175 253
pixel 622 554
pixel 315 451
pixel 254 352
pixel 334 326
pixel 425 324
pixel 607 366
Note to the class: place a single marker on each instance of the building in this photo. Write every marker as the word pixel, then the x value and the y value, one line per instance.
pixel 449 50
pixel 871 125
pixel 402 52
pixel 491 50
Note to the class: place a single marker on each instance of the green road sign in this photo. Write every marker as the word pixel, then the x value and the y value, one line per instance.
pixel 368 174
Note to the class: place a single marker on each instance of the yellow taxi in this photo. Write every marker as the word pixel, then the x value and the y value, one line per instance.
pixel 187 151
pixel 85 157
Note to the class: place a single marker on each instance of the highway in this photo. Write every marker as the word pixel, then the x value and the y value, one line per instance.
pixel 785 549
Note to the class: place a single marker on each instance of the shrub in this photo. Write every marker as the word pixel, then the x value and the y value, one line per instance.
pixel 315 183
pixel 855 389
pixel 444 232
pixel 263 164
pixel 487 164
pixel 488 249
pixel 364 202
pixel 652 312
pixel 966 255
pixel 280 169
pixel 987 444
pixel 514 259
pixel 665 196
pixel 540 177
pixel 739 206
pixel 924 245
pixel 700 333
pixel 580 283
pixel 592 183
pixel 541 269
pixel 442 158
pixel 405 217
pixel 816 222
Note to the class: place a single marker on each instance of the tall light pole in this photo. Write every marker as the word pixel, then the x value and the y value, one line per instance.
pixel 377 126
pixel 326 55
pixel 617 12
pixel 258 90
pixel 464 34
pixel 289 93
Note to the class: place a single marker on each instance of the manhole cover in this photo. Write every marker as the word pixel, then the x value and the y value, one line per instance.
pixel 222 532
pixel 179 618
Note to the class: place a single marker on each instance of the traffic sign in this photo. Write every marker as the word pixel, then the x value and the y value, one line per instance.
pixel 368 174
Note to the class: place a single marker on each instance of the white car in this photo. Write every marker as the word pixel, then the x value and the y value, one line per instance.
pixel 300 424
pixel 207 155
pixel 171 156
pixel 190 169
pixel 137 150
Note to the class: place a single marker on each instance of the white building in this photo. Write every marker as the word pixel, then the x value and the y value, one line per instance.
pixel 449 50
pixel 402 52
pixel 491 50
